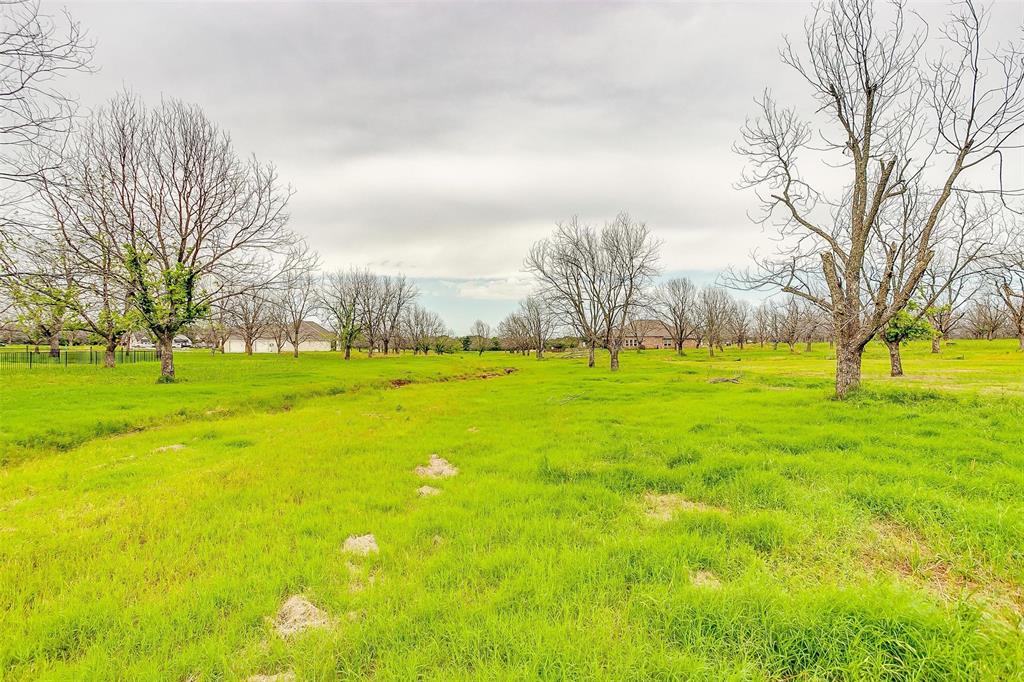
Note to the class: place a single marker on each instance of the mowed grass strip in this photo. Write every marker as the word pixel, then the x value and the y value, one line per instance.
pixel 795 536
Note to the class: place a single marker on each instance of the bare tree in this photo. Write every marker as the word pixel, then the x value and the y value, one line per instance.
pixel 763 319
pixel 339 298
pixel 714 307
pixel 480 337
pixel 1010 286
pixel 674 304
pixel 538 323
pixel 949 298
pixel 741 322
pixel 250 314
pixel 188 216
pixel 44 300
pixel 514 333
pixel 596 281
pixel 813 325
pixel 35 116
pixel 903 125
pixel 790 322
pixel 399 294
pixel 568 269
pixel 422 328
pixel 299 294
pixel 382 300
pixel 985 318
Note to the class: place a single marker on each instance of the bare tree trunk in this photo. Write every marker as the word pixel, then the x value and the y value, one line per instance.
pixel 110 354
pixel 848 362
pixel 166 358
pixel 348 351
pixel 614 352
pixel 248 346
pixel 936 340
pixel 55 345
pixel 295 350
pixel 540 353
pixel 590 360
pixel 711 350
pixel 895 361
pixel 1021 341
pixel 807 348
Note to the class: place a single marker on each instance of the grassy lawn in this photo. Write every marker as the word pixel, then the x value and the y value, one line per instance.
pixel 648 524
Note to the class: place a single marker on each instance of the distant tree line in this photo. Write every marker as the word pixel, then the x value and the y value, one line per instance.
pixel 146 217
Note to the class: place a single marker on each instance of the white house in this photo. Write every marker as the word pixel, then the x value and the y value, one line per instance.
pixel 312 337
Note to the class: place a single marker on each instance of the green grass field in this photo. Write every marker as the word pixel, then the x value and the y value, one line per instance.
pixel 642 525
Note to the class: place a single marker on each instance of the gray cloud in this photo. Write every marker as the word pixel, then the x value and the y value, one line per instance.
pixel 441 139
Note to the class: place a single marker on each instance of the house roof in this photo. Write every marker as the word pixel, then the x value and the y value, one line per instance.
pixel 309 331
pixel 644 328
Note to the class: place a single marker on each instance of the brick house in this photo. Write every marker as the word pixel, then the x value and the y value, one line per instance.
pixel 649 334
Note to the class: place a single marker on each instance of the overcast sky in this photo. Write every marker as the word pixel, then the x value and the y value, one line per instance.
pixel 442 139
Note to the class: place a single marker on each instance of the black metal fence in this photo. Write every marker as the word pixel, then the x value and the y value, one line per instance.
pixel 30 358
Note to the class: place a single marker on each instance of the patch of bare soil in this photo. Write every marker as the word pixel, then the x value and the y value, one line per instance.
pixel 280 677
pixel 705 579
pixel 396 383
pixel 896 548
pixel 439 467
pixel 298 614
pixel 663 506
pixel 361 544
pixel 427 491
pixel 504 372
pixel 170 448
pixel 288 676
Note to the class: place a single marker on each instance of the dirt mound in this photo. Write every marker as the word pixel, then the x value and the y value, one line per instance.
pixel 664 506
pixel 361 544
pixel 170 448
pixel 298 614
pixel 427 491
pixel 398 383
pixel 705 579
pixel 439 467
pixel 279 677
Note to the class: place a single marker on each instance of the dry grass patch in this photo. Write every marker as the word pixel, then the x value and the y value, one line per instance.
pixel 427 491
pixel 894 548
pixel 298 614
pixel 288 676
pixel 705 579
pixel 170 448
pixel 357 583
pixel 663 506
